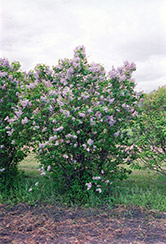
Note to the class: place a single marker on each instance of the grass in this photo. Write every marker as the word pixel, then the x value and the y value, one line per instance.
pixel 143 188
pixel 30 165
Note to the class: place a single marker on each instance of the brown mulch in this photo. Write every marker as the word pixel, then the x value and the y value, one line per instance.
pixel 47 224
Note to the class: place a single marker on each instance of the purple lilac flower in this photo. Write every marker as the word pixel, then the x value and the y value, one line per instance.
pixel 113 73
pixel 52 138
pixel 44 129
pixel 77 49
pixel 49 168
pixel 7 128
pixel 12 120
pixel 6 118
pixel 57 143
pixel 116 134
pixel 111 100
pixel 48 83
pixel 59 66
pixel 76 144
pixel 3 74
pixel 132 66
pixel 3 87
pixel 99 190
pixel 84 146
pixel 60 102
pixel 2 170
pixel 95 67
pixel 59 129
pixel 35 111
pixel 32 85
pixel 89 185
pixel 24 121
pixel 85 96
pixel 92 122
pixel 44 99
pixel 122 78
pixel 70 71
pixel 128 108
pixel 134 114
pixel 68 136
pixel 10 77
pixel 126 63
pixel 82 115
pixel 24 103
pixel 96 178
pixel 4 62
pixel 10 132
pixel 41 145
pixel 89 110
pixel 67 113
pixel 110 120
pixel 76 63
pixel 63 81
pixel 18 113
pixel 90 142
pixel 98 114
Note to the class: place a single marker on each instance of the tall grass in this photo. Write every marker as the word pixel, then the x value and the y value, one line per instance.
pixel 143 188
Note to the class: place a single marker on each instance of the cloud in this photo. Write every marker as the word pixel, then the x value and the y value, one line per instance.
pixel 40 31
pixel 151 73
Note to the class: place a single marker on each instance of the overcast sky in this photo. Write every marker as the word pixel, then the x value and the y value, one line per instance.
pixel 112 31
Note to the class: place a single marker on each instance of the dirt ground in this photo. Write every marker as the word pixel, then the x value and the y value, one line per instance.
pixel 55 224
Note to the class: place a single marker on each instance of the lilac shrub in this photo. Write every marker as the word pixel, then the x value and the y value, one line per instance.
pixel 78 117
pixel 22 96
pixel 10 149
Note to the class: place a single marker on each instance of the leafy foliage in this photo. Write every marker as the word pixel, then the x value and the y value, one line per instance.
pixel 151 131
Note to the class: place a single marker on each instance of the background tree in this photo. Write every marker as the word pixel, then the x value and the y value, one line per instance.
pixel 150 131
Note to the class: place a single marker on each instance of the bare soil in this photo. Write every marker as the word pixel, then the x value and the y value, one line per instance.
pixel 47 224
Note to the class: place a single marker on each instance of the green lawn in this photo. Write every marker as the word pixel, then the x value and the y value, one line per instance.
pixel 145 189
pixel 30 165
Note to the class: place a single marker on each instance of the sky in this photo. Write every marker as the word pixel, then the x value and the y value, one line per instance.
pixel 112 31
